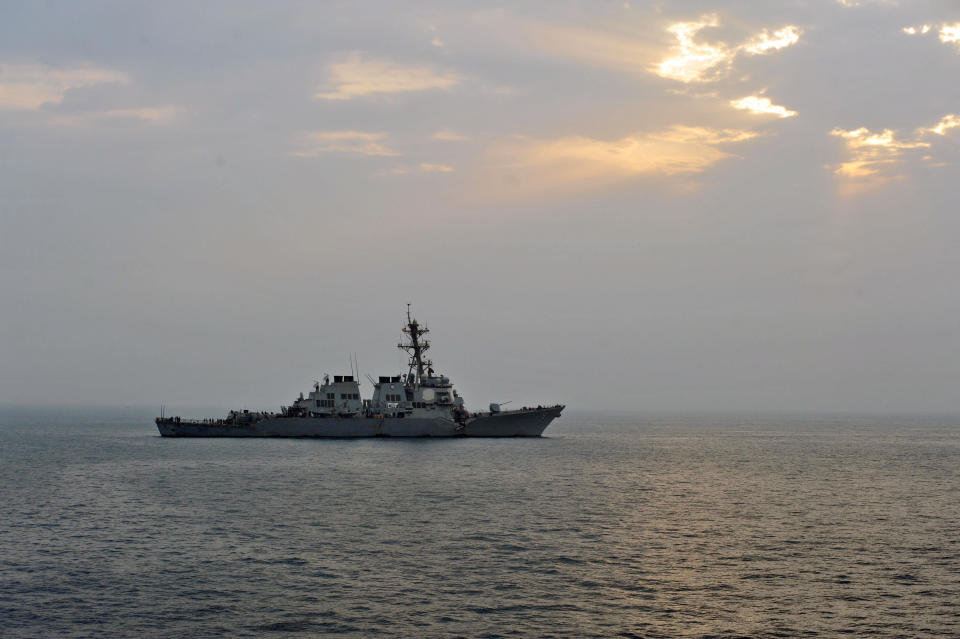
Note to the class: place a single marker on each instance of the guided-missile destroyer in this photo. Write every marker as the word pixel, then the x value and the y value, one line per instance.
pixel 420 403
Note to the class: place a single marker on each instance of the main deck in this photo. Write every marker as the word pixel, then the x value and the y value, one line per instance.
pixel 525 422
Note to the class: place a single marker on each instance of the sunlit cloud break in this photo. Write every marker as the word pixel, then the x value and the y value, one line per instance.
pixel 760 105
pixel 699 62
pixel 30 86
pixel 872 154
pixel 315 143
pixel 358 77
pixel 950 33
pixel 874 158
pixel 692 61
pixel 948 122
pixel 782 38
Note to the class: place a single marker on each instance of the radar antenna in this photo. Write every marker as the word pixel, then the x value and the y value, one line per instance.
pixel 415 347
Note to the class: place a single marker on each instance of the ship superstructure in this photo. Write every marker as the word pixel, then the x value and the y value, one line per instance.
pixel 420 403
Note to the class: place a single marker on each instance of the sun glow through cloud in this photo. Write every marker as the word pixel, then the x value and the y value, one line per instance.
pixel 359 77
pixel 760 105
pixel 625 50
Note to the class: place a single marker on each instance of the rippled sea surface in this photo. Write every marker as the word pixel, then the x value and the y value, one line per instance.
pixel 610 526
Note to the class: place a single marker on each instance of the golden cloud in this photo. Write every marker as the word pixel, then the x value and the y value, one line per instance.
pixel 30 86
pixel 764 42
pixel 759 105
pixel 872 155
pixel 578 161
pixel 874 159
pixel 314 143
pixel 950 33
pixel 358 77
pixel 691 61
pixel 949 121
pixel 700 62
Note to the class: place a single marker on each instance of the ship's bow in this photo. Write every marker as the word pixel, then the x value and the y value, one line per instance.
pixel 520 423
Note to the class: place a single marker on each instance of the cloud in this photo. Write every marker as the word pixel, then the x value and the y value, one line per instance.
pixel 423 167
pixel 860 3
pixel 315 143
pixel 396 170
pixel 447 135
pixel 759 105
pixel 874 159
pixel 950 33
pixel 31 86
pixel 949 121
pixel 763 42
pixel 429 167
pixel 632 49
pixel 872 154
pixel 358 77
pixel 149 115
pixel 700 62
pixel 578 161
pixel 691 61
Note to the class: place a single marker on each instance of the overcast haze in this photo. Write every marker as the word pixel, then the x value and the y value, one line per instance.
pixel 644 205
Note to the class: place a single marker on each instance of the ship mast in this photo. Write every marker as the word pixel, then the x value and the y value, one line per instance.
pixel 416 347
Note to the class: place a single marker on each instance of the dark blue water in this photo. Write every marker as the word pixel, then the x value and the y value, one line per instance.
pixel 610 526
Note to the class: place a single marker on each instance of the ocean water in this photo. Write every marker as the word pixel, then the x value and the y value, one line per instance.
pixel 610 526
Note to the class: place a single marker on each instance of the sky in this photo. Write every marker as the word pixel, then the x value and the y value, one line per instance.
pixel 651 206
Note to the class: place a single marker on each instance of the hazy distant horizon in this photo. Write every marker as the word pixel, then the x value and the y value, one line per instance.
pixel 634 418
pixel 690 206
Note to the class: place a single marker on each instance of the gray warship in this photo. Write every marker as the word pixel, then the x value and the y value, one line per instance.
pixel 420 403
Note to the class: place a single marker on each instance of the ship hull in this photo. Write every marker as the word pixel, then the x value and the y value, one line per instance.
pixel 525 423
